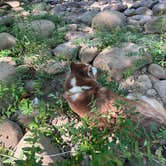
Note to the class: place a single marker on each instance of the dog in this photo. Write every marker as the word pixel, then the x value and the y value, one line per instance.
pixel 83 93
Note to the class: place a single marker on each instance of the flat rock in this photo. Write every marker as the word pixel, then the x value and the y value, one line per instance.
pixel 117 61
pixel 10 133
pixel 108 20
pixel 160 87
pixel 45 144
pixel 156 25
pixel 7 41
pixel 157 71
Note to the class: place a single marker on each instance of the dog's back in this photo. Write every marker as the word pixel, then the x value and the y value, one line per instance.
pixel 81 90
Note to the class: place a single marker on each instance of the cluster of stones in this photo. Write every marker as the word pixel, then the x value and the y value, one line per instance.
pixel 83 17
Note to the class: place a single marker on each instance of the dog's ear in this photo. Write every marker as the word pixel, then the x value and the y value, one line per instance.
pixel 72 66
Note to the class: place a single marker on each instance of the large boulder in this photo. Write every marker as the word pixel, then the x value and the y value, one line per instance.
pixel 156 25
pixel 108 20
pixel 7 41
pixel 47 148
pixel 10 133
pixel 42 27
pixel 118 61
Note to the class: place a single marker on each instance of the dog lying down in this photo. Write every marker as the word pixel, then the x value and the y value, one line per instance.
pixel 82 91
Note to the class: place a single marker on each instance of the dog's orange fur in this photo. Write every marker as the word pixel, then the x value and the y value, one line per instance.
pixel 105 101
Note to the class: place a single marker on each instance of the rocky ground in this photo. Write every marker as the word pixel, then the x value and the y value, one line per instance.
pixel 125 38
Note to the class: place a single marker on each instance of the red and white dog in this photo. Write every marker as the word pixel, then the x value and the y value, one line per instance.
pixel 81 88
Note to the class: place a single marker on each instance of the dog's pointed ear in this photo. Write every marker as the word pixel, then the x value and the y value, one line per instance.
pixel 72 66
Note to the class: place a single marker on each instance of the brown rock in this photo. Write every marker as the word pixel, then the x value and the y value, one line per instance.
pixel 10 133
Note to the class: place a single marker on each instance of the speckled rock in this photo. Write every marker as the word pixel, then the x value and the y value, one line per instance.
pixel 108 20
pixel 10 133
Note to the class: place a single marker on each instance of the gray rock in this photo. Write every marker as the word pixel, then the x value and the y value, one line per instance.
pixel 71 35
pixel 87 54
pixel 151 93
pixel 161 89
pixel 156 25
pixel 7 41
pixel 45 144
pixel 10 133
pixel 54 67
pixel 6 20
pixel 31 86
pixel 145 19
pixel 143 83
pixel 159 9
pixel 66 50
pixel 117 61
pixel 6 71
pixel 44 28
pixel 143 11
pixel 108 20
pixel 129 12
pixel 86 17
pixel 157 71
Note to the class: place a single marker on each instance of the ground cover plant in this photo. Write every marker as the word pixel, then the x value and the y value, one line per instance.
pixel 87 145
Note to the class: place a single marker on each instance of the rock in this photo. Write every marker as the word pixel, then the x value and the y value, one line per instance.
pixel 13 4
pixel 143 11
pixel 6 71
pixel 86 17
pixel 159 9
pixel 156 25
pixel 6 20
pixel 7 41
pixel 87 54
pixel 44 28
pixel 54 67
pixel 8 60
pixel 116 6
pixel 108 20
pixel 143 83
pixel 129 12
pixel 59 9
pixel 160 86
pixel 151 93
pixel 24 119
pixel 45 144
pixel 31 86
pixel 66 51
pixel 145 19
pixel 157 71
pixel 118 61
pixel 71 35
pixel 10 133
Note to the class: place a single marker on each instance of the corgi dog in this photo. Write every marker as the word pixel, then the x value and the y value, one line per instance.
pixel 82 91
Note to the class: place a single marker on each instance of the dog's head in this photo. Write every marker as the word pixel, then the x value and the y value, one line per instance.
pixel 80 81
pixel 83 70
